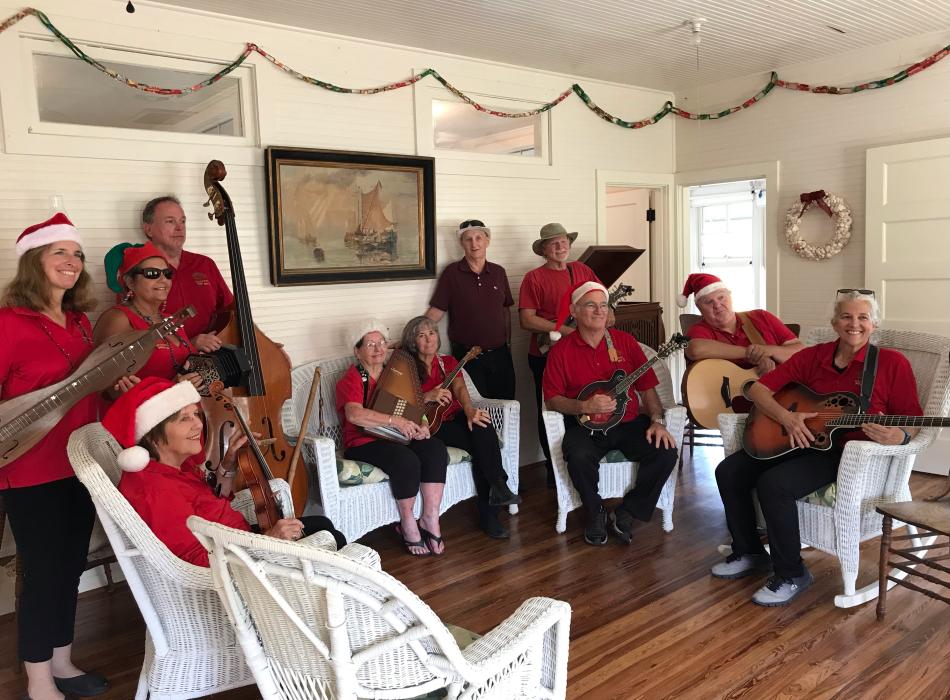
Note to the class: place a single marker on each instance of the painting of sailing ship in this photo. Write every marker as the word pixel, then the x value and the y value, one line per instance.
pixel 339 216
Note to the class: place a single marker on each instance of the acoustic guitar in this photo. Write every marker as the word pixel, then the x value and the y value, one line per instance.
pixel 26 419
pixel 618 386
pixel 435 410
pixel 765 438
pixel 616 295
pixel 711 387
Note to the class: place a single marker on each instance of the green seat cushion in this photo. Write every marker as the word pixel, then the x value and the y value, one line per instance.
pixel 615 456
pixel 825 496
pixel 457 454
pixel 352 472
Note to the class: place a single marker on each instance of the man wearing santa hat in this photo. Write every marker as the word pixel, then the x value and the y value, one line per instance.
pixel 726 335
pixel 593 353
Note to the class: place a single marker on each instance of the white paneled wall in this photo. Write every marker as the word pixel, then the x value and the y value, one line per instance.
pixel 104 194
pixel 820 141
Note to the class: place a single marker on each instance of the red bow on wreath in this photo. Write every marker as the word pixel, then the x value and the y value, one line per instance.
pixel 809 198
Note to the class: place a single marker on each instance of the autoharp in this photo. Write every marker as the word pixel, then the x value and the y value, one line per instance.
pixel 398 393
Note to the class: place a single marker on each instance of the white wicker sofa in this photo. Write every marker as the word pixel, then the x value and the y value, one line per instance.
pixel 868 473
pixel 357 509
pixel 616 477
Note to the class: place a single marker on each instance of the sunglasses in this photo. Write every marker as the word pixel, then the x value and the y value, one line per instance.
pixel 153 273
pixel 469 223
pixel 867 292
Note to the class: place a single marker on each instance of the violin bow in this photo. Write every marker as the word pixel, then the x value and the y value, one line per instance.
pixel 314 388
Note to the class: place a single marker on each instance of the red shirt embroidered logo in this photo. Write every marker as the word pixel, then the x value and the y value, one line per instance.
pixel 200 279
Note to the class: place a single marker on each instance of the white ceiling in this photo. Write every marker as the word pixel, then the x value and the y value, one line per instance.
pixel 637 42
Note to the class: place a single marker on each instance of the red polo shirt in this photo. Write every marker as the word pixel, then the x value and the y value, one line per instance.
pixel 573 364
pixel 435 378
pixel 350 390
pixel 33 354
pixel 542 289
pixel 894 392
pixel 164 497
pixel 166 358
pixel 770 327
pixel 477 304
pixel 198 282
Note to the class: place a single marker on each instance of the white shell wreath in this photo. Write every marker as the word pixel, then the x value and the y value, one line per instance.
pixel 840 215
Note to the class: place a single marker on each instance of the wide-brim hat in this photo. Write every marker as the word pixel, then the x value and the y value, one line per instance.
pixel 549 231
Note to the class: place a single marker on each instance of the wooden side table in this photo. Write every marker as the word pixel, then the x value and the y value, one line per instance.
pixel 932 519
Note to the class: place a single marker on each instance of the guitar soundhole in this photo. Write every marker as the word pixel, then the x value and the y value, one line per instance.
pixel 821 439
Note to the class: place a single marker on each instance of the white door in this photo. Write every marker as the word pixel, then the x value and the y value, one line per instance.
pixel 907 247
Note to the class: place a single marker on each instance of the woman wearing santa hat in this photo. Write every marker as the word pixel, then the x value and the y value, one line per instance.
pixel 463 425
pixel 50 512
pixel 418 466
pixel 160 424
pixel 142 275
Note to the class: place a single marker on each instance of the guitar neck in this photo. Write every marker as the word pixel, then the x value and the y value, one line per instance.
pixel 450 377
pixel 854 420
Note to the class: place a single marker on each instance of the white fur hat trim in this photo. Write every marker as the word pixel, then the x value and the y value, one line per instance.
pixel 152 412
pixel 133 459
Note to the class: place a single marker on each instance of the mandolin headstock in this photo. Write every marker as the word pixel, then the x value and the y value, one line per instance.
pixel 677 342
pixel 218 199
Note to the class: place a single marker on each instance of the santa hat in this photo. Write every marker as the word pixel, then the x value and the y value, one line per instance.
pixel 700 284
pixel 368 326
pixel 139 410
pixel 571 296
pixel 56 228
pixel 123 257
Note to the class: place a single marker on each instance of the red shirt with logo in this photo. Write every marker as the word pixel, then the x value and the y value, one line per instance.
pixel 198 283
pixel 542 289
pixel 573 364
pixel 436 377
pixel 164 497
pixel 894 392
pixel 37 352
pixel 769 326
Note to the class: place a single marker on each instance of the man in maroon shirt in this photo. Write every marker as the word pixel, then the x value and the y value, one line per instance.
pixel 594 353
pixel 722 333
pixel 197 281
pixel 477 297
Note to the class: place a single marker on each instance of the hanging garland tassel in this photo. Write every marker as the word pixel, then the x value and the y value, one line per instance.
pixel 833 205
pixel 668 107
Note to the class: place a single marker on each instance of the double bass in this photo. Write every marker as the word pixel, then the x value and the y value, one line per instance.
pixel 257 369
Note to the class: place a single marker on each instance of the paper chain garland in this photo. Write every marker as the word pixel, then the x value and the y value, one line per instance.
pixel 668 107
pixel 833 205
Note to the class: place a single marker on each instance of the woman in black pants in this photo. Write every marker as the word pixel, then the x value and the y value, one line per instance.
pixel 418 466
pixel 463 425
pixel 50 512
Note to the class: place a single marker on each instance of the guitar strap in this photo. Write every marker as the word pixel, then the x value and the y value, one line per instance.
pixel 611 350
pixel 364 375
pixel 751 332
pixel 867 377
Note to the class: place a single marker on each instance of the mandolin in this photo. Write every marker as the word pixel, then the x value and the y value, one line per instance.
pixel 765 438
pixel 618 386
pixel 616 295
pixel 26 419
pixel 711 387
pixel 435 410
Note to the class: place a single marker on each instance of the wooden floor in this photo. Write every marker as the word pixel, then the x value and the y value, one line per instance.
pixel 648 620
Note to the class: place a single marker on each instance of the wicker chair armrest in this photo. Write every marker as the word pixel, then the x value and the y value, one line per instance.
pixel 523 628
pixel 362 554
pixel 732 425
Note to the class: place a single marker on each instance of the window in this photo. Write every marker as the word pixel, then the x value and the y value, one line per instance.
pixel 459 127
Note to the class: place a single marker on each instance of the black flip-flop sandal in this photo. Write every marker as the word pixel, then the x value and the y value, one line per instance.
pixel 429 537
pixel 408 544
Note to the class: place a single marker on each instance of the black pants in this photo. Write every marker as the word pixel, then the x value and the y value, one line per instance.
pixel 778 482
pixel 492 372
pixel 406 465
pixel 482 444
pixel 537 364
pixel 583 453
pixel 52 524
pixel 316 523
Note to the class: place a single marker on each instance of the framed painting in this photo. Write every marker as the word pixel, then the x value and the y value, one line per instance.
pixel 343 216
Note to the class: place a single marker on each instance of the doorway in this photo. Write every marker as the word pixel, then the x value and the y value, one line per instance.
pixel 630 215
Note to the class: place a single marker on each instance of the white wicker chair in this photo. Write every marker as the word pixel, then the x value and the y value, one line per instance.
pixel 616 478
pixel 190 647
pixel 868 473
pixel 355 510
pixel 314 624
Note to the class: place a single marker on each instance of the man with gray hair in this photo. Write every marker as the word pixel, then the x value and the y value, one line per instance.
pixel 197 280
pixel 476 295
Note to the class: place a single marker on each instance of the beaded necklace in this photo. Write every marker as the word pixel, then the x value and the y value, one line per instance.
pixel 176 365
pixel 69 358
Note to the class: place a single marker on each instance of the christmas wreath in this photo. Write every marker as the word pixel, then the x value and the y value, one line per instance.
pixel 840 213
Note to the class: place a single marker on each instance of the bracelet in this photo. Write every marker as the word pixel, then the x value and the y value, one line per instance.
pixel 227 474
pixel 906 437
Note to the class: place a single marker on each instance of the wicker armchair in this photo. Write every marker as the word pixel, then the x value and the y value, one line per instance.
pixel 314 624
pixel 355 510
pixel 616 478
pixel 190 647
pixel 869 474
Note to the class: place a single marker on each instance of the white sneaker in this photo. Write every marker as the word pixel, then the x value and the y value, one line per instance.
pixel 782 591
pixel 739 565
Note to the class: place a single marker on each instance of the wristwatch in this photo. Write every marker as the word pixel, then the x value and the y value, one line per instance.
pixel 660 421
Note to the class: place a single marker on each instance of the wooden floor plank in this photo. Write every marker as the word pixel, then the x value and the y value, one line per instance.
pixel 648 619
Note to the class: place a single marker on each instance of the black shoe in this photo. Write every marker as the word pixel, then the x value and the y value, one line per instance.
pixel 621 523
pixel 85 686
pixel 596 531
pixel 492 527
pixel 500 495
